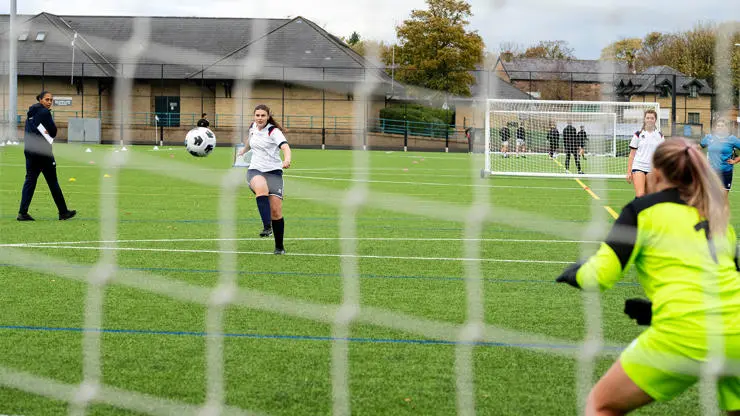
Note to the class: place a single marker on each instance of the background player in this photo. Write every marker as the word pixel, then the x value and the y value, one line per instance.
pixel 505 135
pixel 582 142
pixel 553 137
pixel 642 147
pixel 721 151
pixel 521 140
pixel 570 142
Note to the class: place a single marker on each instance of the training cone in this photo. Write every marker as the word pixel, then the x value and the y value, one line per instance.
pixel 156 148
pixel 88 150
pixel 72 180
pixel 123 149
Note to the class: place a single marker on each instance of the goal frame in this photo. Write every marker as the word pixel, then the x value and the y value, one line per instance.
pixel 488 171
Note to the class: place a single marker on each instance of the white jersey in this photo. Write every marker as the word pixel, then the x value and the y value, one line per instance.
pixel 645 144
pixel 265 145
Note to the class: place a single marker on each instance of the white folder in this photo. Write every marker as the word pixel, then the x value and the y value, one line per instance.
pixel 45 133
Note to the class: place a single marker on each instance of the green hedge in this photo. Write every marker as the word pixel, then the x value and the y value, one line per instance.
pixel 422 121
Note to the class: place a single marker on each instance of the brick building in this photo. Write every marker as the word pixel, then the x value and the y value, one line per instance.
pixel 189 66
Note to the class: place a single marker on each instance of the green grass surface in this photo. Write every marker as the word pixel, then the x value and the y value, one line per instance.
pixel 282 362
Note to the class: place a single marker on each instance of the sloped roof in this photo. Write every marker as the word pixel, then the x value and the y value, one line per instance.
pixel 579 70
pixel 489 85
pixel 656 78
pixel 294 50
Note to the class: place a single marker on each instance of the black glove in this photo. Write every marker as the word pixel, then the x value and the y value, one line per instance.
pixel 640 310
pixel 569 275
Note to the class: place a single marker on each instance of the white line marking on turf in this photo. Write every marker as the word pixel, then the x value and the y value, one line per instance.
pixel 357 256
pixel 415 183
pixel 186 240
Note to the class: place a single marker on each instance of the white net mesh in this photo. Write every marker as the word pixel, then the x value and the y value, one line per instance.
pixel 535 132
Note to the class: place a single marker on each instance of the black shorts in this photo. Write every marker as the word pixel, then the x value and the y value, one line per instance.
pixel 640 170
pixel 726 178
pixel 274 180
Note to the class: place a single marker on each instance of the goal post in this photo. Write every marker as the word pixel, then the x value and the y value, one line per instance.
pixel 560 138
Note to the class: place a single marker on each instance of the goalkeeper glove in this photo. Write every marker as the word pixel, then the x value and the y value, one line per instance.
pixel 640 310
pixel 569 275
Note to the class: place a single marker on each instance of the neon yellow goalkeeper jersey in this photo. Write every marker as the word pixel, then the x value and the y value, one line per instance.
pixel 688 276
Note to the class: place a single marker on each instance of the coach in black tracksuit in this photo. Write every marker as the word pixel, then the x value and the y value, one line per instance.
pixel 203 122
pixel 570 142
pixel 40 159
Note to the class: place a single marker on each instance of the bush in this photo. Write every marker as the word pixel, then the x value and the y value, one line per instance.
pixel 422 121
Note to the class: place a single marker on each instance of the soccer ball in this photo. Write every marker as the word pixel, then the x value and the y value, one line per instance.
pixel 200 141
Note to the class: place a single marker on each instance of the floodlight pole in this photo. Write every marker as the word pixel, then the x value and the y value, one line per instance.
pixel 12 73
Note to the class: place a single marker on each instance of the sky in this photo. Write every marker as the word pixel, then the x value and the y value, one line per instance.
pixel 587 25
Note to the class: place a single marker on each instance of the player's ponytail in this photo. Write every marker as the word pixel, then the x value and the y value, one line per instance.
pixel 683 165
pixel 270 119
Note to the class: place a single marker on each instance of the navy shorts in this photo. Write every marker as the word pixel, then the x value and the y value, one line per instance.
pixel 640 170
pixel 726 178
pixel 274 180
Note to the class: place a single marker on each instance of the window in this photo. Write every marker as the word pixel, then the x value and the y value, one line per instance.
pixel 23 36
pixel 694 118
pixel 693 91
pixel 40 36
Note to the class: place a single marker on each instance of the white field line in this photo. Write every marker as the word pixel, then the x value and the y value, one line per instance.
pixel 187 240
pixel 166 250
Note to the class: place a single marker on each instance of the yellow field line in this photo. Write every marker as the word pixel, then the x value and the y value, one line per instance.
pixel 590 192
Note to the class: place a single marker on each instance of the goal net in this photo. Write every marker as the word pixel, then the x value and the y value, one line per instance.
pixel 560 138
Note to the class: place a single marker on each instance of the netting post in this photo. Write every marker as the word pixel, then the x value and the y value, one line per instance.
pixel 673 105
pixel 13 75
pixel 487 138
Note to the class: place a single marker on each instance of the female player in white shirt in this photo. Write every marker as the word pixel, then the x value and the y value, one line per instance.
pixel 642 147
pixel 265 173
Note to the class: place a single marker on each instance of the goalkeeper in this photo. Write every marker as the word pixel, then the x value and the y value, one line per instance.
pixel 684 249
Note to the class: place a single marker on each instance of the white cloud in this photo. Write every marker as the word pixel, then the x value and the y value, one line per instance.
pixel 588 25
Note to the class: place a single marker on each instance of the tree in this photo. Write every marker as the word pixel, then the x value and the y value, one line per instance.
pixel 366 47
pixel 624 50
pixel 435 51
pixel 354 39
pixel 549 49
pixel 508 51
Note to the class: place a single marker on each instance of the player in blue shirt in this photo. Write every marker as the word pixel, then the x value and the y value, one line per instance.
pixel 721 151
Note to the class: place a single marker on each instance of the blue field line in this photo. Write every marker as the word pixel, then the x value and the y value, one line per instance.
pixel 256 220
pixel 336 275
pixel 295 337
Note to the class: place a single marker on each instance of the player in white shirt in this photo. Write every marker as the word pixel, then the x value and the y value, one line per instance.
pixel 642 148
pixel 265 173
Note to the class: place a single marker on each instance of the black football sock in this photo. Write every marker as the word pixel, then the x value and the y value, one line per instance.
pixel 278 229
pixel 263 205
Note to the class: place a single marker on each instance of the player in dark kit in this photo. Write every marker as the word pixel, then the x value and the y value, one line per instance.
pixel 570 142
pixel 582 142
pixel 505 135
pixel 553 136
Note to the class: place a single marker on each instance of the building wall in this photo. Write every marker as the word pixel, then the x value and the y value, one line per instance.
pixel 684 105
pixel 576 91
pixel 296 107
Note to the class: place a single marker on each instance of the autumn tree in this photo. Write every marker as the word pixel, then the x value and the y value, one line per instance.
pixel 436 51
pixel 549 49
pixel 624 50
